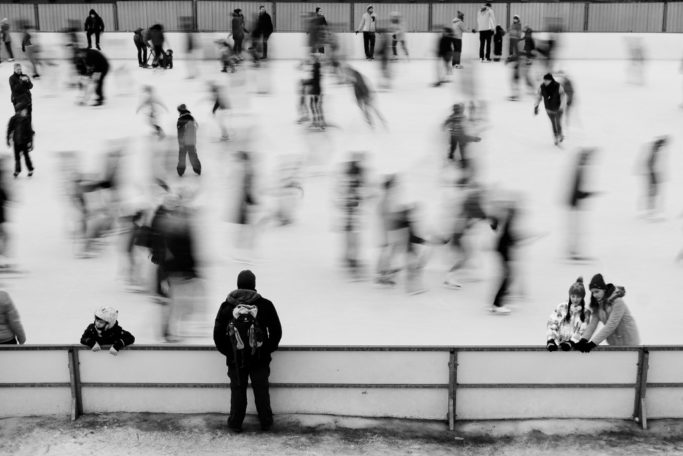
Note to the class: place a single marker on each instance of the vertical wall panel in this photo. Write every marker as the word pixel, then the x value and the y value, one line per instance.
pixel 146 13
pixel 15 13
pixel 534 15
pixel 674 18
pixel 290 16
pixel 55 17
pixel 625 17
pixel 415 15
pixel 444 13
pixel 216 16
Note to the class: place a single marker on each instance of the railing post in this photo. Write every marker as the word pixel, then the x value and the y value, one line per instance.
pixel 430 19
pixel 664 14
pixel 274 15
pixel 586 12
pixel 116 15
pixel 352 20
pixel 36 16
pixel 452 388
pixel 75 376
pixel 639 412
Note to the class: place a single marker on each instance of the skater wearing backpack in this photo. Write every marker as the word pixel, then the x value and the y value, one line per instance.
pixel 247 330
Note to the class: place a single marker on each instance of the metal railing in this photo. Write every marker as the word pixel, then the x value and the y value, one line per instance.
pixel 453 383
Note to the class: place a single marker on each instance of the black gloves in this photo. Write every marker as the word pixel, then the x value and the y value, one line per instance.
pixel 584 346
pixel 565 346
pixel 588 347
pixel 551 346
pixel 536 110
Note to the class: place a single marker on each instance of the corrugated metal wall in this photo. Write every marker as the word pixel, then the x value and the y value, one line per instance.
pixel 625 17
pixel 143 14
pixel 55 17
pixel 290 16
pixel 674 17
pixel 443 14
pixel 415 15
pixel 534 15
pixel 217 16
pixel 15 13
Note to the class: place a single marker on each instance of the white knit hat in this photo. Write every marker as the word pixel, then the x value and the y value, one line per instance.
pixel 108 314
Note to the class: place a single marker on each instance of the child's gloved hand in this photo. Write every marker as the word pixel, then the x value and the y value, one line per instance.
pixel 113 351
pixel 96 347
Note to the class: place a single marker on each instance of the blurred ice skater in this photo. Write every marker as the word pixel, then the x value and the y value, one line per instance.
pixel 577 195
pixel 652 166
pixel 151 103
pixel 554 100
pixel 635 73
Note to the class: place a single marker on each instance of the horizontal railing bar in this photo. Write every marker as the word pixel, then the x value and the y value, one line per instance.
pixel 665 385
pixel 272 385
pixel 36 385
pixel 171 347
pixel 543 385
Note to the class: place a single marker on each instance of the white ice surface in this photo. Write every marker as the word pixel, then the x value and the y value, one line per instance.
pixel 299 266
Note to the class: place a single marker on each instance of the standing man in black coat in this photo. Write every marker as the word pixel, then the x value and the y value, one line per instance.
pixel 20 85
pixel 19 130
pixel 264 28
pixel 95 65
pixel 247 330
pixel 93 24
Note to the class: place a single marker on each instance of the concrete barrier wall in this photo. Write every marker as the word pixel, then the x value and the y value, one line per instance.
pixel 573 46
pixel 470 383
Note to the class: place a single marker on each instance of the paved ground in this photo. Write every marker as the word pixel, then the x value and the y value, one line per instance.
pixel 159 434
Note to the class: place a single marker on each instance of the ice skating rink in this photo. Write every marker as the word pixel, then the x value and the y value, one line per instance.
pixel 299 266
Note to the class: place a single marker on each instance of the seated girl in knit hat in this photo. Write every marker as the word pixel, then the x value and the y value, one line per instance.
pixel 106 331
pixel 568 321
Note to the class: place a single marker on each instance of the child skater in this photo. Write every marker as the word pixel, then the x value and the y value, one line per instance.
pixel 569 320
pixel 150 101
pixel 106 331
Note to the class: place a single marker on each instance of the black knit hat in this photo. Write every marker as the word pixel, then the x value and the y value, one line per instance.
pixel 246 280
pixel 577 288
pixel 182 108
pixel 597 282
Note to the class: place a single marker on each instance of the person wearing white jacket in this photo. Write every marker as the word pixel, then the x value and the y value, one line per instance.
pixel 368 24
pixel 486 23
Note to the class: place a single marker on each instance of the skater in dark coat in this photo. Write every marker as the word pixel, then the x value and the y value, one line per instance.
pixel 498 43
pixel 95 65
pixel 93 24
pixel 156 37
pixel 20 131
pixel 141 45
pixel 264 28
pixel 247 331
pixel 20 85
pixel 238 30
pixel 187 141
pixel 552 94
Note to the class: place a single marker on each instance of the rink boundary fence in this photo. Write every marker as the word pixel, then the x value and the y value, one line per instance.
pixel 425 16
pixel 640 385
